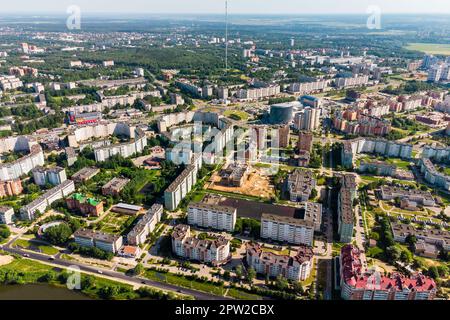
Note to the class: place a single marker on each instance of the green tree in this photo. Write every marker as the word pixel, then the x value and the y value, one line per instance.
pixel 139 269
pixel 238 272
pixel 251 275
pixel 58 235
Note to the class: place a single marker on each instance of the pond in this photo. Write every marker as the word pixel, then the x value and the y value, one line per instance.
pixel 38 292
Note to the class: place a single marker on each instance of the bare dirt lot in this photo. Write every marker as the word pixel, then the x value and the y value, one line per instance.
pixel 256 184
pixel 4 260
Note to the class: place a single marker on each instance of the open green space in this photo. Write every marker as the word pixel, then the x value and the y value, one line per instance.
pixel 237 115
pixel 430 48
pixel 32 245
pixel 184 282
pixel 241 295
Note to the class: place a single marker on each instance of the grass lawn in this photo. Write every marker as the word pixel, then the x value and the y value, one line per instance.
pixel 284 252
pixel 430 48
pixel 369 179
pixel 29 244
pixel 241 295
pixel 48 250
pixel 236 114
pixel 184 282
pixel 31 270
pixel 401 164
pixel 198 197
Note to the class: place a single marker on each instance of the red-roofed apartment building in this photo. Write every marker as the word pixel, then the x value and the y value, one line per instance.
pixel 357 284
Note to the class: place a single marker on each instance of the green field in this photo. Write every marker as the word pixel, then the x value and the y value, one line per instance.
pixel 31 245
pixel 184 282
pixel 237 115
pixel 430 48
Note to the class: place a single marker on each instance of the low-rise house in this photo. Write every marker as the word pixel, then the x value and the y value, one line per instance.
pixel 85 174
pixel 114 187
pixel 424 198
pixel 127 209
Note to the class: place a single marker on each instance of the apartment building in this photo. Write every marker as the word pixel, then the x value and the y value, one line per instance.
pixel 126 149
pixel 212 216
pixel 10 188
pixel 95 239
pixel 215 251
pixel 138 235
pixel 309 87
pixel 356 81
pixel 374 146
pixel 359 284
pixel 16 169
pixel 258 93
pixel 180 187
pixel 180 155
pixel 6 215
pixel 287 229
pixel 54 176
pixel 433 176
pixel 439 154
pixel 43 202
pixel 346 218
pixel 297 268
pixel 305 141
pixel 300 184
pixel 307 119
pixel 10 83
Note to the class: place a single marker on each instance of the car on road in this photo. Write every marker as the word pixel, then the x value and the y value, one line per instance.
pixel 26 255
pixel 51 258
pixel 99 271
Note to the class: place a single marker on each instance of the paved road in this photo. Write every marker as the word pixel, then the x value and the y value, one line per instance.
pixel 117 275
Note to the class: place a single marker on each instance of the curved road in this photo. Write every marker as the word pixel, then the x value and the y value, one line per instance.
pixel 113 274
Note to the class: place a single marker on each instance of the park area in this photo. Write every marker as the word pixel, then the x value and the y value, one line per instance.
pixel 237 115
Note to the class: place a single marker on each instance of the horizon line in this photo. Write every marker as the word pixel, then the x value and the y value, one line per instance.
pixel 216 13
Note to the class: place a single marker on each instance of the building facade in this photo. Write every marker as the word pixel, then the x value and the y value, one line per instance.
pixel 212 216
pixel 215 251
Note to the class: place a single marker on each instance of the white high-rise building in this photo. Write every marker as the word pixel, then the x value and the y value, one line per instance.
pixel 308 119
pixel 286 229
pixel 435 73
pixel 212 216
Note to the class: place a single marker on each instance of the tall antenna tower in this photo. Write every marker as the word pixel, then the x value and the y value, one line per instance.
pixel 226 36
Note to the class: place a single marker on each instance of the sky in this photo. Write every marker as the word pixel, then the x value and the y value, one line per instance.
pixel 235 6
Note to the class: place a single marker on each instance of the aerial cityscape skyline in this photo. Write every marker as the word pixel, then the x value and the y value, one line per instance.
pixel 258 159
pixel 236 7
